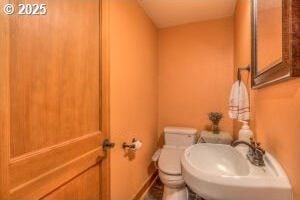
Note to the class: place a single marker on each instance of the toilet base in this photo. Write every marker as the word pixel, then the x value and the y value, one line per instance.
pixel 175 193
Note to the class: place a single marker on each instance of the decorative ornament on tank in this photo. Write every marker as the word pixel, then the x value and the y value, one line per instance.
pixel 215 118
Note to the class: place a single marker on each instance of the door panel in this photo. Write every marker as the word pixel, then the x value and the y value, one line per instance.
pixel 74 190
pixel 40 162
pixel 55 110
pixel 54 74
pixel 39 186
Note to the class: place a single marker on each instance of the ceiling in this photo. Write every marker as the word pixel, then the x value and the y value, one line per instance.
pixel 166 13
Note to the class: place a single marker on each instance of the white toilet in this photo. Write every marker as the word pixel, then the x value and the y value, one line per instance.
pixel 176 141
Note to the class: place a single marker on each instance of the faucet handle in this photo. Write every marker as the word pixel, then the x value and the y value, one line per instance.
pixel 261 149
pixel 257 144
pixel 258 147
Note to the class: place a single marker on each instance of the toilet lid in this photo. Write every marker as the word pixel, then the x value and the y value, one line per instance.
pixel 169 161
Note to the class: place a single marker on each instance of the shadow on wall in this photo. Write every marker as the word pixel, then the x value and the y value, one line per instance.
pixel 129 154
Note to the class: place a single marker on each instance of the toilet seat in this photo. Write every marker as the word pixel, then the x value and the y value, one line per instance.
pixel 169 160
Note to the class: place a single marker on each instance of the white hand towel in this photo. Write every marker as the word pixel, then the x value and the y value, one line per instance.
pixel 239 102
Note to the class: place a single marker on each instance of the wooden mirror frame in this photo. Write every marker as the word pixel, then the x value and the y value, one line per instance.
pixel 290 65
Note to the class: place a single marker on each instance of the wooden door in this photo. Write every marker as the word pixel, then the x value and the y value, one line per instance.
pixel 52 103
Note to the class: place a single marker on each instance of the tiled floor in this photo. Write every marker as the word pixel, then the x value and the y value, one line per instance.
pixel 156 192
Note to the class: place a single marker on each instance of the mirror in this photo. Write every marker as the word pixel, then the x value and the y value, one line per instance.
pixel 274 53
pixel 269 34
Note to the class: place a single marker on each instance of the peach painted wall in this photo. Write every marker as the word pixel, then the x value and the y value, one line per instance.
pixel 195 73
pixel 278 124
pixel 134 90
pixel 277 108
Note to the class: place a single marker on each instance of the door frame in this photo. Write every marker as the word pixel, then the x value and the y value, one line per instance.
pixel 5 99
pixel 4 104
pixel 105 94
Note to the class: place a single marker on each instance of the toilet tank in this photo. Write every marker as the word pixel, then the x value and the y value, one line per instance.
pixel 180 136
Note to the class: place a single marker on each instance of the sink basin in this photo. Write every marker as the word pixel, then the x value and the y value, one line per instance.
pixel 221 172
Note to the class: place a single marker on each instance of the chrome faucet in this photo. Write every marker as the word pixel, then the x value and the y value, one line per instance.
pixel 255 154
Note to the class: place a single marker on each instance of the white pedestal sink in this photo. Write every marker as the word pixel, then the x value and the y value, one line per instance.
pixel 221 172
